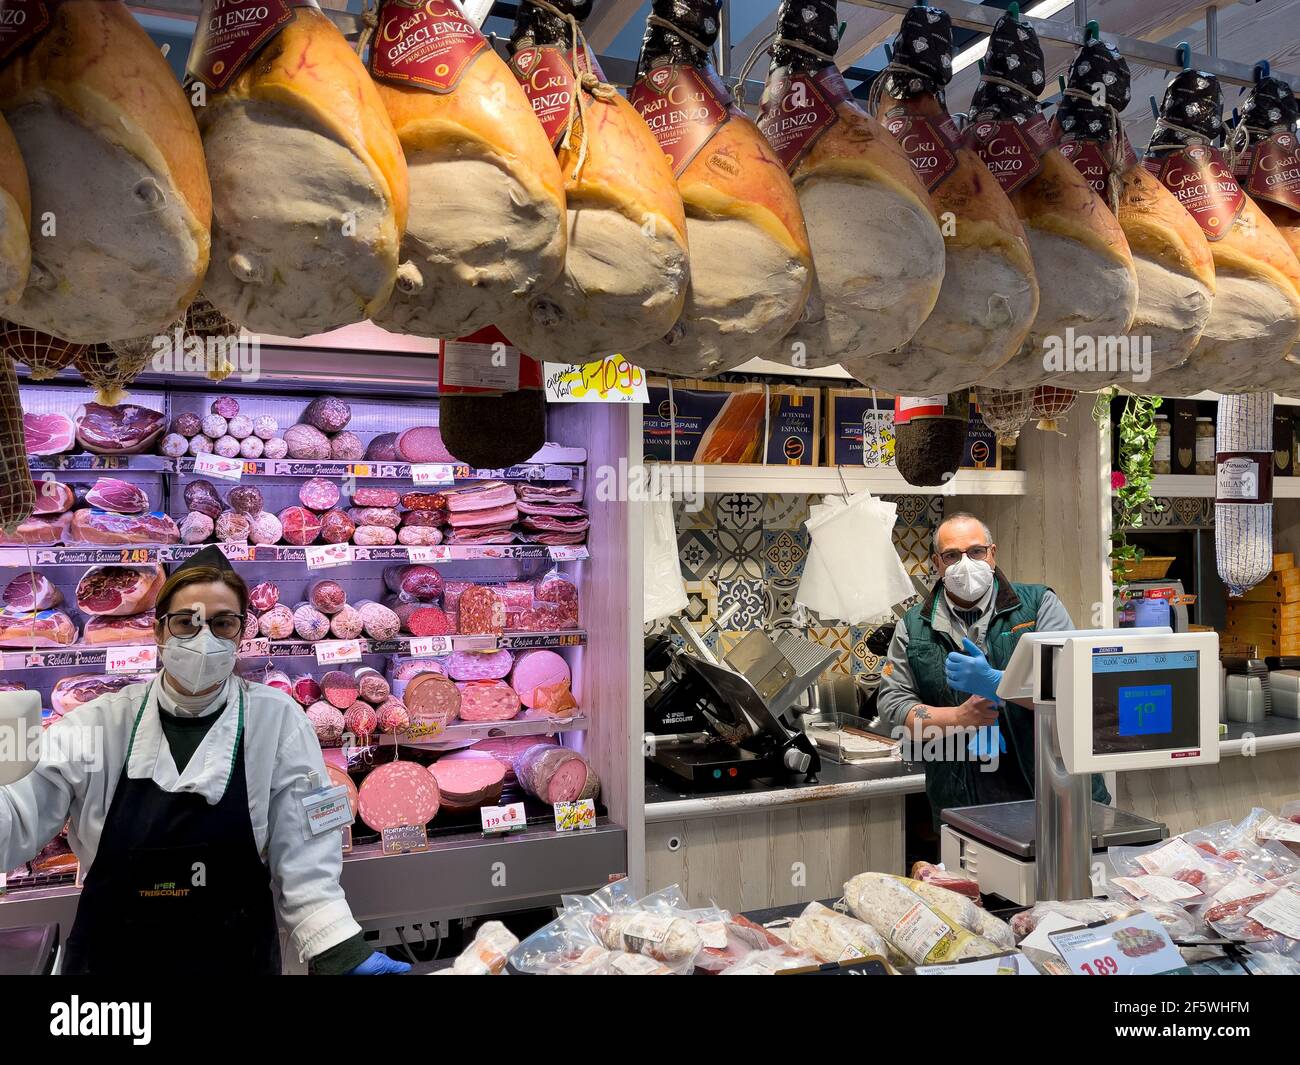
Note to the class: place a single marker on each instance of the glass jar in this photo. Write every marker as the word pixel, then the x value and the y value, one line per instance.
pixel 1160 461
pixel 1205 447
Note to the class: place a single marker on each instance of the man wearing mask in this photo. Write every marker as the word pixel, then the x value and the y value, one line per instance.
pixel 945 661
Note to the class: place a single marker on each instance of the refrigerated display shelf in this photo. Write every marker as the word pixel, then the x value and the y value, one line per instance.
pixel 527 724
pixel 22 557
pixel 89 462
pixel 432 474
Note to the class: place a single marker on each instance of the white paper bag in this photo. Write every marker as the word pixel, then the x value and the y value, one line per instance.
pixel 665 591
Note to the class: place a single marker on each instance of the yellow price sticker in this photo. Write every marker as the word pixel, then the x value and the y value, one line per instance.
pixel 609 380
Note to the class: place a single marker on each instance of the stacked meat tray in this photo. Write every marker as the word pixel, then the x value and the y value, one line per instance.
pixel 435 686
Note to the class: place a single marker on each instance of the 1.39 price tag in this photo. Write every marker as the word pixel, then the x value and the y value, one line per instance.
pixel 501 819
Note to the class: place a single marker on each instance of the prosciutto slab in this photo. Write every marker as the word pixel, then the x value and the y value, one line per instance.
pixel 15 219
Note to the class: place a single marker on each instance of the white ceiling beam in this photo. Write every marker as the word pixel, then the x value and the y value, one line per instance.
pixel 608 17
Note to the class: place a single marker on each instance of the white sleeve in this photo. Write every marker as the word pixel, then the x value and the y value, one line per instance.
pixel 34 809
pixel 304 868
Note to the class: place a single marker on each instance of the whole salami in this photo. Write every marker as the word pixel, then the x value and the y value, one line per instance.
pixel 264 596
pixel 306 442
pixel 380 623
pixel 346 447
pixel 361 720
pixel 327 720
pixel 382 448
pixel 346 624
pixel 187 424
pixel 486 700
pixel 327 596
pixel 340 688
pixel 431 700
pixel 385 516
pixel 200 445
pixel 251 447
pixel 556 774
pixel 195 527
pixel 374 536
pixel 419 536
pixel 329 414
pixel 301 526
pixel 310 624
pixel 336 527
pixel 418 582
pixel 318 494
pixel 202 496
pixel 480 612
pixel 265 427
pixel 393 717
pixel 233 527
pixel 306 690
pixel 275 448
pixel 372 686
pixel 245 499
pixel 376 497
pixel 423 519
pixel 424 501
pixel 226 446
pixel 398 793
pixel 264 528
pixel 277 623
pixel 479 665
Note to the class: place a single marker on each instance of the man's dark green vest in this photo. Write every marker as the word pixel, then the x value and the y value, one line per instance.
pixel 1015 612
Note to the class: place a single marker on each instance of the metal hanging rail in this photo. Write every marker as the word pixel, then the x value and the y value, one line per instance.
pixel 977 17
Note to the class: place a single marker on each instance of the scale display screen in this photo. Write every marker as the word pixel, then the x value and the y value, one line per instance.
pixel 1145 702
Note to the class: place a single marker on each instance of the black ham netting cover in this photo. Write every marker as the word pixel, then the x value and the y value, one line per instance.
pixel 1014 56
pixel 923 45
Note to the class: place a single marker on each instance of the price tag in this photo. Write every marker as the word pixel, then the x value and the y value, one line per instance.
pixel 333 652
pixel 1281 913
pixel 136 555
pixel 237 552
pixel 441 553
pixel 220 467
pixel 1164 888
pixel 429 646
pixel 327 556
pixel 437 474
pixel 404 839
pixel 609 380
pixel 503 819
pixel 575 816
pixel 1014 964
pixel 1126 946
pixel 568 554
pixel 423 730
pixel 327 808
pixel 258 648
pixel 138 658
pixel 1273 827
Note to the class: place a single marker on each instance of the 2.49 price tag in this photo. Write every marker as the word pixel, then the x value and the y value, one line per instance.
pixel 1127 946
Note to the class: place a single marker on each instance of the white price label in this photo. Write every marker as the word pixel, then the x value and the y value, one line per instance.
pixel 472 364
pixel 256 648
pixel 609 380
pixel 1127 946
pixel 437 474
pixel 429 646
pixel 1275 828
pixel 1164 888
pixel 476 10
pixel 714 934
pixel 327 556
pixel 331 652
pixel 1281 913
pixel 219 466
pixel 1171 858
pixel 503 818
pixel 575 816
pixel 568 554
pixel 139 658
pixel 440 553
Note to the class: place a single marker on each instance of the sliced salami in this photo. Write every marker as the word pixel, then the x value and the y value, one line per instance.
pixel 487 700
pixel 376 497
pixel 318 494
pixel 424 501
pixel 431 699
pixel 339 688
pixel 480 611
pixel 399 793
pixel 480 665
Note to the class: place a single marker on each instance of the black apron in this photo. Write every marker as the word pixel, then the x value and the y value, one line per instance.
pixel 177 886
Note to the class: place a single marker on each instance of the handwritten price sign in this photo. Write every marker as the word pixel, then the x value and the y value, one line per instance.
pixel 609 380
pixel 575 816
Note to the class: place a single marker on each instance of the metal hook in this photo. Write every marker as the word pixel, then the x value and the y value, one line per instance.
pixel 1184 53
pixel 1155 109
pixel 1013 10
pixel 1262 70
pixel 889 54
pixel 1092 32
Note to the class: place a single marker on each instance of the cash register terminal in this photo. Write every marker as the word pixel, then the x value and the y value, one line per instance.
pixel 1104 701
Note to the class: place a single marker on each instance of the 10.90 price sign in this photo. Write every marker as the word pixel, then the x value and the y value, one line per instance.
pixel 609 380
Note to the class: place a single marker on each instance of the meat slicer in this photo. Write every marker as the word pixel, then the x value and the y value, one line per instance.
pixel 714 724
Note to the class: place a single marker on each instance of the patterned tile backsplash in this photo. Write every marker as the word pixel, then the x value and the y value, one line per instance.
pixel 749 550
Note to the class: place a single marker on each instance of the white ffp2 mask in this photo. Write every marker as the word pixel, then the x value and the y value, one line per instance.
pixel 199 661
pixel 967 579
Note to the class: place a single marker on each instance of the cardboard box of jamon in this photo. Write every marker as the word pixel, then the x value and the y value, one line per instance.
pixel 728 422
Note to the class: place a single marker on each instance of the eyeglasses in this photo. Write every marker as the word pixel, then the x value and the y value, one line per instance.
pixel 185 623
pixel 978 553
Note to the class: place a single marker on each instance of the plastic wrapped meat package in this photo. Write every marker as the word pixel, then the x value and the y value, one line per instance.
pixel 853 571
pixel 486 954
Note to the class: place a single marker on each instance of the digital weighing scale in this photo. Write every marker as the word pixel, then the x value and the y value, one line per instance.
pixel 1104 701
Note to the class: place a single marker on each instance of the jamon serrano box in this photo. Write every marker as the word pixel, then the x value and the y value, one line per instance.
pixel 726 422
pixel 860 432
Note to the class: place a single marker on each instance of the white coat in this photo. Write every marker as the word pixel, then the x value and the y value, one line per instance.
pixel 81 761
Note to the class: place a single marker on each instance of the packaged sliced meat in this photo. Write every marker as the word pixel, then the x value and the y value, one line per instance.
pixel 31 591
pixel 383 516
pixel 417 581
pixel 912 926
pixel 419 536
pixel 961 883
pixel 336 527
pixel 346 447
pixel 231 527
pixel 468 780
pixel 301 526
pixel 487 953
pixel 39 531
pixel 245 499
pixel 554 587
pixel 383 448
pixel 431 699
pixel 542 680
pixel 424 501
pixel 121 631
pixel 329 414
pixel 318 494
pixel 52 497
pixel 479 665
pixel 421 443
pixel 201 496
pixel 375 497
pixel 118 590
pixel 487 495
pixel 327 720
pixel 480 612
pixel 264 528
pixel 48 434
pixel 309 623
pixel 346 624
pixel 111 530
pixel 372 686
pixel 340 688
pixel 396 794
pixel 835 937
pixel 374 536
pixel 195 528
pixel 45 628
pixel 496 516
pixel 306 690
pixel 123 429
pixel 556 774
pixel 543 617
pixel 276 623
pixel 71 692
pixel 263 596
pixel 327 596
pixel 121 497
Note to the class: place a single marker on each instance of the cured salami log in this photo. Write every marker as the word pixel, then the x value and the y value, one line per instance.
pixel 174 446
pixel 201 496
pixel 336 527
pixel 877 249
pixel 419 536
pixel 327 596
pixel 346 447
pixel 306 442
pixel 372 686
pixel 376 497
pixel 626 270
pixel 263 596
pixel 487 700
pixel 479 665
pixel 226 406
pixel 264 528
pixel 303 108
pixel 340 688
pixel 306 690
pixel 346 624
pixel 327 720
pixel 383 448
pixel 382 516
pixel 245 499
pixel 556 774
pixel 539 677
pixel 214 426
pixel 318 494
pixel 396 794
pixel 275 448
pixel 480 612
pixel 329 414
pixel 276 623
pixel 309 623
pixel 240 426
pixel 418 581
pixel 751 265
pixel 200 445
pixel 468 780
pixel 1243 506
pixel 114 155
pixel 265 427
pixel 301 526
pixel 424 501
pixel 232 527
pixel 431 699
pixel 393 717
pixel 380 622
pixel 361 720
pixel 505 749
pixel 423 619
pixel 279 680
pixel 374 536
pixel 421 443
pixel 251 447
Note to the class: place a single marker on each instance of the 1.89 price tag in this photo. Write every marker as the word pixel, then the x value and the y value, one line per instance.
pixel 1127 946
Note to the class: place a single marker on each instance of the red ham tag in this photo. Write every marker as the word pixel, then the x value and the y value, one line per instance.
pixel 930 142
pixel 1092 159
pixel 230 32
pixel 907 408
pixel 684 106
pixel 1199 176
pixel 21 21
pixel 427 43
pixel 798 109
pixel 485 363
pixel 1011 150
pixel 1271 170
pixel 549 83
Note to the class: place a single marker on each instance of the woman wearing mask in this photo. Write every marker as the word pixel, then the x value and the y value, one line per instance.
pixel 183 798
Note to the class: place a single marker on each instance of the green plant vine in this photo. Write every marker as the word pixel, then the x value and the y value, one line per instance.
pixel 1131 483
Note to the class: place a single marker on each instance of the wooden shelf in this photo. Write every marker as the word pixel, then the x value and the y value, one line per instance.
pixel 822 480
pixel 1202 487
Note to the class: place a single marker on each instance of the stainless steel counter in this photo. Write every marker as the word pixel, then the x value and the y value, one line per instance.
pixel 1272 734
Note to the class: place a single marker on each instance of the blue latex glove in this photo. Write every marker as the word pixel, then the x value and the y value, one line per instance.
pixel 971 672
pixel 983 740
pixel 380 965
